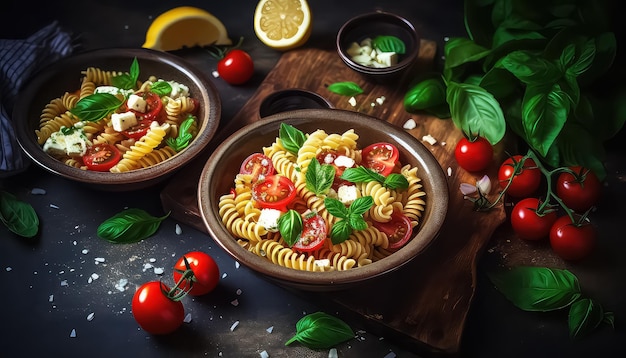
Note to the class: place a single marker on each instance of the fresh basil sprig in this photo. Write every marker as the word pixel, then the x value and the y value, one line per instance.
pixel 544 289
pixel 290 226
pixel 319 177
pixel 320 330
pixel 388 43
pixel 127 80
pixel 291 138
pixel 363 175
pixel 18 216
pixel 351 217
pixel 130 225
pixel 346 88
pixel 162 88
pixel 184 136
pixel 96 106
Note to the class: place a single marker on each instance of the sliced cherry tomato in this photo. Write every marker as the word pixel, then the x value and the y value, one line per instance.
pixel 572 241
pixel 236 67
pixel 579 192
pixel 101 157
pixel 398 230
pixel 155 311
pixel 205 272
pixel 257 164
pixel 380 157
pixel 525 182
pixel 138 130
pixel 473 155
pixel 313 235
pixel 328 156
pixel 154 108
pixel 274 192
pixel 527 224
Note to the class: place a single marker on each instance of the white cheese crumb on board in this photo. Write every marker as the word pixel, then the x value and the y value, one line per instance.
pixel 409 124
pixel 429 139
pixel 179 230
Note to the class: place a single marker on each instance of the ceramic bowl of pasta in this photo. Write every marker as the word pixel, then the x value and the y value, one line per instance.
pixel 322 199
pixel 117 119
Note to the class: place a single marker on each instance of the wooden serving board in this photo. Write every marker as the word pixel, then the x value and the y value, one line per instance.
pixel 424 304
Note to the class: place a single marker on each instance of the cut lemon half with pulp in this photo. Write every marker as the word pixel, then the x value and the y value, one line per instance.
pixel 185 26
pixel 282 24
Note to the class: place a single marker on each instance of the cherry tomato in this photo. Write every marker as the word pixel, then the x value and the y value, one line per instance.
pixel 398 230
pixel 206 273
pixel 525 182
pixel 328 156
pixel 380 157
pixel 473 155
pixel 101 157
pixel 138 130
pixel 579 192
pixel 257 164
pixel 154 112
pixel 274 192
pixel 155 311
pixel 527 224
pixel 236 67
pixel 572 241
pixel 313 235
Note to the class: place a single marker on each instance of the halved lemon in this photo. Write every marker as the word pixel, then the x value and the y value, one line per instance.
pixel 185 26
pixel 282 24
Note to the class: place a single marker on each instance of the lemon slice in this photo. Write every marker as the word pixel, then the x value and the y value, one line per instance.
pixel 282 24
pixel 185 26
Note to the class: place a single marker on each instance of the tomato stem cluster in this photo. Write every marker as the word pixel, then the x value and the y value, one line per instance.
pixel 184 285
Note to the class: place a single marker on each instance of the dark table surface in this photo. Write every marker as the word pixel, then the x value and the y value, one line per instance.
pixel 53 285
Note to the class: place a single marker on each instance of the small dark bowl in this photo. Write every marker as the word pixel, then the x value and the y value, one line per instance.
pixel 64 76
pixel 291 99
pixel 216 179
pixel 379 24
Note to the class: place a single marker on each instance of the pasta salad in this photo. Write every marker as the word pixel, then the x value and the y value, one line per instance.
pixel 116 123
pixel 318 202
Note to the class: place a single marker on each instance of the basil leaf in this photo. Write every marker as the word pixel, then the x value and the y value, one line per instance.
pixel 18 216
pixel 537 288
pixel 162 88
pixel 585 315
pixel 361 175
pixel 347 88
pixel 130 225
pixel 336 208
pixel 291 138
pixel 361 205
pixel 319 177
pixel 184 137
pixel 357 222
pixel 127 80
pixel 340 231
pixel 389 44
pixel 396 181
pixel 425 95
pixel 290 226
pixel 96 106
pixel 320 330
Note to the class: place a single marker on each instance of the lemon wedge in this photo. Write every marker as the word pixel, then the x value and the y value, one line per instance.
pixel 185 26
pixel 282 24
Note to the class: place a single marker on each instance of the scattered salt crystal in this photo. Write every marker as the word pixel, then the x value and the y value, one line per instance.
pixel 332 353
pixel 159 270
pixel 179 230
pixel 38 191
pixel 269 329
pixel 73 333
pixel 187 318
pixel 53 206
pixel 409 124
pixel 381 100
pixel 121 284
pixel 264 354
pixel 390 355
pixel 99 260
pixel 152 259
pixel 51 298
pixel 95 276
pixel 147 266
pixel 224 275
pixel 215 74
pixel 430 139
pixel 90 316
pixel 234 302
pixel 237 264
pixel 64 283
pixel 85 251
pixel 352 101
pixel 449 171
pixel 238 292
pixel 9 269
pixel 235 324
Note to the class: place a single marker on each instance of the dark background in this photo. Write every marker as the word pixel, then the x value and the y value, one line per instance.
pixel 32 271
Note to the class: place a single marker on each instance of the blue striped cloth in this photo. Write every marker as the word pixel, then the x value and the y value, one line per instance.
pixel 20 59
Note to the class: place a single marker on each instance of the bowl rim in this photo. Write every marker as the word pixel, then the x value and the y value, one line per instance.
pixel 406 61
pixel 26 139
pixel 337 279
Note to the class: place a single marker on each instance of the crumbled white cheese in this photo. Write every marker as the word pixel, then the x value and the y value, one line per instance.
pixel 137 103
pixel 264 354
pixel 347 194
pixel 99 260
pixel 269 219
pixel 122 121
pixel 343 161
pixel 322 263
pixel 178 230
pixel 381 99
pixel 215 74
pixel 159 270
pixel 352 101
pixel 409 124
pixel 430 139
pixel 449 171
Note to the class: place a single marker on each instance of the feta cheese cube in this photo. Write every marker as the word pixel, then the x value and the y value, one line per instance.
pixel 343 161
pixel 269 219
pixel 123 121
pixel 137 103
pixel 347 194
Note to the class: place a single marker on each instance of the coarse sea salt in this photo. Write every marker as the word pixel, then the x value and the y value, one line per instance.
pixel 90 316
pixel 264 354
pixel 187 318
pixel 409 124
pixel 332 353
pixel 38 191
pixel 429 139
pixel 178 229
pixel 73 333
pixel 159 270
pixel 234 325
pixel 269 329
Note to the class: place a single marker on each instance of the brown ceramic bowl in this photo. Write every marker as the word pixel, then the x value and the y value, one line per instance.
pixel 64 76
pixel 219 172
pixel 374 24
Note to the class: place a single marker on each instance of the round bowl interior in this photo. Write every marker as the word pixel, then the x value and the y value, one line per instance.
pixel 64 76
pixel 291 99
pixel 378 24
pixel 219 172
